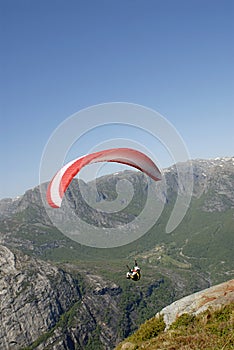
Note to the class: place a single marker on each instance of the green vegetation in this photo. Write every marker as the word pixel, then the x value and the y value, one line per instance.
pixel 148 330
pixel 210 330
pixel 183 321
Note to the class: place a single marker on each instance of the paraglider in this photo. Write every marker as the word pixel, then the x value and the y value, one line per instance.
pixel 134 273
pixel 128 156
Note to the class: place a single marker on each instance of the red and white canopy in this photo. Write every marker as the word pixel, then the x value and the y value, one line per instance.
pixel 128 156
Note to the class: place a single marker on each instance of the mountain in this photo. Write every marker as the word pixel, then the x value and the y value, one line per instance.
pixel 44 307
pixel 203 241
pixel 203 320
pixel 102 307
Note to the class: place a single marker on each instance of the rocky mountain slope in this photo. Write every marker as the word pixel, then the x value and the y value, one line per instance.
pixel 30 298
pixel 43 306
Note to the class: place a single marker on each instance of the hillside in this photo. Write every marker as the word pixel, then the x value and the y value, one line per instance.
pixel 204 320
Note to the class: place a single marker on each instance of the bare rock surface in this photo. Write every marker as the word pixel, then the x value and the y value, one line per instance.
pixel 196 303
pixel 33 295
pixel 42 305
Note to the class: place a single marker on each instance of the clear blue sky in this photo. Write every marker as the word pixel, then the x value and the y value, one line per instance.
pixel 57 57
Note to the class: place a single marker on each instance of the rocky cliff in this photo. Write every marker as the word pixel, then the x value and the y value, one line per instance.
pixel 42 306
pixel 34 295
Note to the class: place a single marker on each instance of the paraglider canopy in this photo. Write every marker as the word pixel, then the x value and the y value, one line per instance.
pixel 128 156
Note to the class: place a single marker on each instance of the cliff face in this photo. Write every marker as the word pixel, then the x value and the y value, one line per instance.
pixel 43 304
pixel 33 296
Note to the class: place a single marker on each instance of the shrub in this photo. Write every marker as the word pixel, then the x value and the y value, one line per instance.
pixel 150 329
pixel 184 320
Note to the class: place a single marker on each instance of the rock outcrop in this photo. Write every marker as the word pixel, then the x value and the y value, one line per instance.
pixel 196 303
pixel 34 294
pixel 43 306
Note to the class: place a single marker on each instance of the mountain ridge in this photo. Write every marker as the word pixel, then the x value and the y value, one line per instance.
pixel 207 225
pixel 203 163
